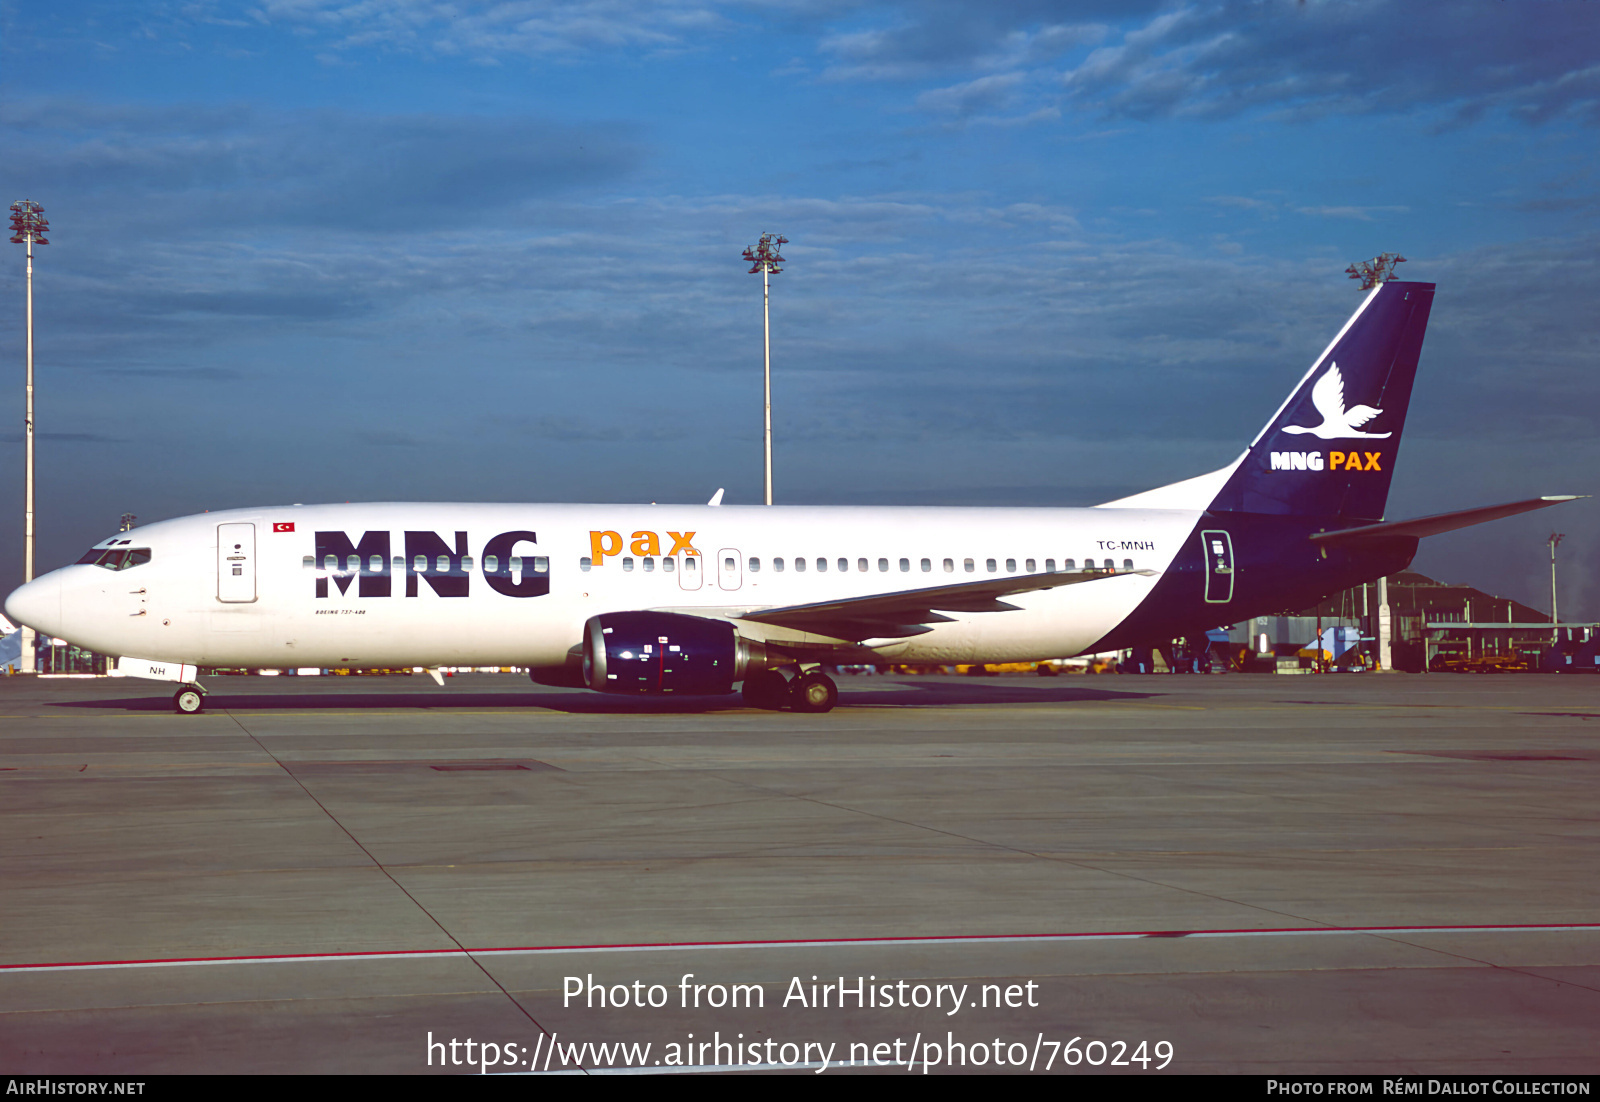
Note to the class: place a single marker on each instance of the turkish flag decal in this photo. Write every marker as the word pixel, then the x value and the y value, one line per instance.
pixel 283 526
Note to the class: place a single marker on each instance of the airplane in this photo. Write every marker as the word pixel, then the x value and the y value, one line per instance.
pixel 694 599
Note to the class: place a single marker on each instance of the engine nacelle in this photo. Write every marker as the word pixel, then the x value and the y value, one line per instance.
pixel 665 652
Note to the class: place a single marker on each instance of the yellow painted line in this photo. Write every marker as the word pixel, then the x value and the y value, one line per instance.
pixel 1173 707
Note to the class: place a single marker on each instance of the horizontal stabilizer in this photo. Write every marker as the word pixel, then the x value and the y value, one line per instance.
pixel 897 615
pixel 1444 522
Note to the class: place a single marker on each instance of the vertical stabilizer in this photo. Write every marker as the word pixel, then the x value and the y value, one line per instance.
pixel 1330 449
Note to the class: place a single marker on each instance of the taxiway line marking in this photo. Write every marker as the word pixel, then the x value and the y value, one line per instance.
pixel 681 946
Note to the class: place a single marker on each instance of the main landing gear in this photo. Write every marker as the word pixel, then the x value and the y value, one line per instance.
pixel 810 691
pixel 189 700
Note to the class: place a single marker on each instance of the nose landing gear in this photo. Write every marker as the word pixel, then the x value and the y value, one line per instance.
pixel 189 700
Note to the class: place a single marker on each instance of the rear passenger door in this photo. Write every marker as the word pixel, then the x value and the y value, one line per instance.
pixel 1218 550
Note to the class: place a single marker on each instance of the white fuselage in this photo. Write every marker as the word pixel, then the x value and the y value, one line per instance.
pixel 209 604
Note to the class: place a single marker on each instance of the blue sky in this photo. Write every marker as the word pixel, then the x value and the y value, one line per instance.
pixel 1042 252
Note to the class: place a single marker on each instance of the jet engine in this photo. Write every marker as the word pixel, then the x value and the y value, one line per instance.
pixel 665 652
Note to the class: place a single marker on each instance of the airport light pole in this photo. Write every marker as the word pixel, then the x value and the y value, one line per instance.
pixel 764 258
pixel 1380 269
pixel 1555 621
pixel 28 227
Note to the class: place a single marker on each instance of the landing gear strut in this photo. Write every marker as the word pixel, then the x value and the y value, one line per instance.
pixel 189 700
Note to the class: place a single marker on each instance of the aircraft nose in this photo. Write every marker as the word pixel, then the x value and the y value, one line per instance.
pixel 37 604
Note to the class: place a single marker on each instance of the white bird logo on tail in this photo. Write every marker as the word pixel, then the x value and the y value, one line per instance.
pixel 1338 423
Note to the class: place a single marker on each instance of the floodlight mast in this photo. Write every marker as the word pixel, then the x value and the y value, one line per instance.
pixel 28 227
pixel 1555 621
pixel 764 258
pixel 1380 269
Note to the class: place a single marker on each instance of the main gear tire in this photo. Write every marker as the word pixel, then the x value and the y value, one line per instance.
pixel 766 689
pixel 813 693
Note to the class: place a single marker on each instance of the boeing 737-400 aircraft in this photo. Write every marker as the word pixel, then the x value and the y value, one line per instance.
pixel 694 599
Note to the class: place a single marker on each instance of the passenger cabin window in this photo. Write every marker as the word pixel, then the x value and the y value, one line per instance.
pixel 309 562
pixel 800 565
pixel 777 564
pixel 755 565
pixel 861 566
pixel 905 565
pixel 949 566
pixel 1028 567
pixel 627 562
pixel 989 565
pixel 1127 564
pixel 844 566
pixel 1011 566
pixel 669 565
pixel 1049 565
pixel 822 565
pixel 927 565
pixel 585 563
pixel 1069 564
pixel 649 564
pixel 690 564
pixel 883 566
pixel 491 564
pixel 968 565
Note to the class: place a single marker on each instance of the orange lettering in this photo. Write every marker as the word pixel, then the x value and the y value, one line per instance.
pixel 646 543
pixel 1336 459
pixel 1372 461
pixel 602 544
pixel 681 542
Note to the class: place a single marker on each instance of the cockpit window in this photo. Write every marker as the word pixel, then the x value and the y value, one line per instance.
pixel 116 558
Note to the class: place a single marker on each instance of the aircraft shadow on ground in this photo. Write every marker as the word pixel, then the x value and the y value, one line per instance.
pixel 914 694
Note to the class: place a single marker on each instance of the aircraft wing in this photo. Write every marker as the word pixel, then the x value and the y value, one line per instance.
pixel 1443 522
pixel 908 612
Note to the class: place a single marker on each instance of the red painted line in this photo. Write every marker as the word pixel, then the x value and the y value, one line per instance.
pixel 953 939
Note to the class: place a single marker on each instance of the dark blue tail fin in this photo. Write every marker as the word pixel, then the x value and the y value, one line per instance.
pixel 1330 450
